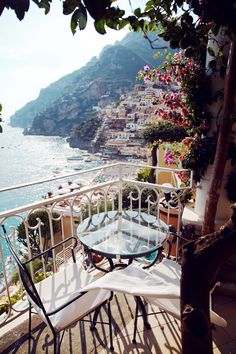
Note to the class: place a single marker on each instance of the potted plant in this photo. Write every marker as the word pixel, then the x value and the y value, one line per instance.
pixel 32 221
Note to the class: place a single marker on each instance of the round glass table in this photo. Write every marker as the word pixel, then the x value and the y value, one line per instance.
pixel 122 235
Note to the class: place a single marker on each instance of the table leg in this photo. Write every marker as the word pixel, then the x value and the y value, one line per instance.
pixel 140 304
pixel 158 256
pixel 91 261
pixel 130 261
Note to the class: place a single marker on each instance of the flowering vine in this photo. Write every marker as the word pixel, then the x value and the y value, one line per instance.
pixel 184 104
pixel 174 152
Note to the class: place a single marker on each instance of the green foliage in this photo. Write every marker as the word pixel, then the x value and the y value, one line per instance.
pixel 5 302
pixel 176 19
pixel 94 209
pixel 79 18
pixel 185 112
pixel 34 234
pixel 40 276
pixel 16 297
pixel 129 193
pixel 143 175
pixel 44 4
pixel 163 131
pixel 20 7
pixel 155 134
pixel 200 156
pixel 15 276
pixel 3 308
pixel 36 266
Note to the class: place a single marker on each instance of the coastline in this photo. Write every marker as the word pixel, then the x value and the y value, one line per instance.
pixel 103 175
pixel 29 158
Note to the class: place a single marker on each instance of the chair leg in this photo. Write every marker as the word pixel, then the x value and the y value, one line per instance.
pixel 140 304
pixel 95 317
pixel 135 320
pixel 29 327
pixel 55 339
pixel 110 325
pixel 144 313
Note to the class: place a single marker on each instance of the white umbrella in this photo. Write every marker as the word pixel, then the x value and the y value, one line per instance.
pixel 73 186
pixel 79 182
pixel 64 190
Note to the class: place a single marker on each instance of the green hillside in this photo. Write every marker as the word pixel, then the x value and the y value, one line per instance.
pixel 73 98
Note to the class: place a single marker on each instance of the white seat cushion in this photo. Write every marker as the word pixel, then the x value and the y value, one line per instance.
pixel 64 286
pixel 136 281
pixel 170 271
pixel 172 306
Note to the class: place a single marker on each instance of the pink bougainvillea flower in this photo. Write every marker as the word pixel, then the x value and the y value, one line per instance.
pixel 175 103
pixel 146 68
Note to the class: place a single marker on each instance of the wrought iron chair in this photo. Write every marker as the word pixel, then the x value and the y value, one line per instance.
pixel 170 271
pixel 158 286
pixel 58 299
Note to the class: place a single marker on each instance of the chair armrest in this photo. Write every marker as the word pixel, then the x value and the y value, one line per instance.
pixel 55 246
pixel 172 239
pixel 173 231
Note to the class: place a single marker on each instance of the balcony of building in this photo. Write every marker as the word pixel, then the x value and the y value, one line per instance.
pixel 105 189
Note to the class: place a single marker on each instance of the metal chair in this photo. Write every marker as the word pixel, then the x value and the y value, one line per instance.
pixel 160 285
pixel 58 299
pixel 170 272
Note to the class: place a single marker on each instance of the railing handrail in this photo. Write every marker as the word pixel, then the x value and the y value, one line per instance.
pixel 58 198
pixel 82 191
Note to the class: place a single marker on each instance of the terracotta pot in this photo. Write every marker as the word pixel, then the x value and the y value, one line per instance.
pixel 170 218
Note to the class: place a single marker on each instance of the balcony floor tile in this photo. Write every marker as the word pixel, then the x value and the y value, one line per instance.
pixel 162 338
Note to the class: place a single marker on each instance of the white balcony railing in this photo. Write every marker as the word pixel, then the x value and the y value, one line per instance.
pixel 113 187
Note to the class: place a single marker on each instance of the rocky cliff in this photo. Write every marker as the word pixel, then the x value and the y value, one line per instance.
pixel 82 135
pixel 73 99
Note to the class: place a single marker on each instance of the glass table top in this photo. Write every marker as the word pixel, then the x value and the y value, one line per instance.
pixel 127 234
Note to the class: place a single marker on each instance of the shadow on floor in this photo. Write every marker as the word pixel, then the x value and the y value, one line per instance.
pixel 163 338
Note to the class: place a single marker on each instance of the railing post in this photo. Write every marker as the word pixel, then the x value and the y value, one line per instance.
pixel 4 274
pixel 52 241
pixel 120 189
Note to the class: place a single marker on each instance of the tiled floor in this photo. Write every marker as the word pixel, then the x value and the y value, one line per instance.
pixel 225 338
pixel 163 337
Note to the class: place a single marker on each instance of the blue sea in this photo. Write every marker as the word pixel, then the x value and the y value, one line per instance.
pixel 31 158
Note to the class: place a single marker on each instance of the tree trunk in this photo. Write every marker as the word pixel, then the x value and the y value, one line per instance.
pixel 201 262
pixel 152 175
pixel 222 142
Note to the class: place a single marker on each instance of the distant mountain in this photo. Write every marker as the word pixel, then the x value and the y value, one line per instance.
pixel 73 99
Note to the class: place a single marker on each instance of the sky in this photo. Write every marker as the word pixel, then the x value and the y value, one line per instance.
pixel 41 49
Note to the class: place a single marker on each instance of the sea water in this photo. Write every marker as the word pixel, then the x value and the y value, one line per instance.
pixel 27 158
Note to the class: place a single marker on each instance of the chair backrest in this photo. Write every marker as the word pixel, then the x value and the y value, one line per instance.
pixel 25 276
